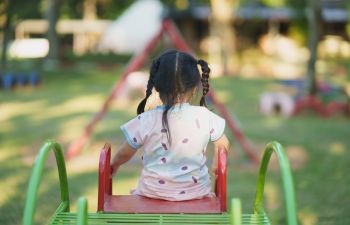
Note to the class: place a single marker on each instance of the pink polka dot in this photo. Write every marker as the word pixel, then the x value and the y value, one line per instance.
pixel 212 131
pixel 182 192
pixel 135 140
pixel 164 146
pixel 194 179
pixel 197 124
pixel 185 140
pixel 184 168
pixel 161 181
pixel 163 160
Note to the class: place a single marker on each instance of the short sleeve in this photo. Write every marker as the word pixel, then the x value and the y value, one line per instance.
pixel 134 131
pixel 216 126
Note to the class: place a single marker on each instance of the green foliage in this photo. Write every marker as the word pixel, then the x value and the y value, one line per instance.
pixel 97 58
pixel 298 31
pixel 274 3
pixel 106 9
pixel 72 9
pixel 348 23
pixel 24 9
pixel 110 9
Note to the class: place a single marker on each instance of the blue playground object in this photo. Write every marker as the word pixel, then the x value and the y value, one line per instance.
pixel 34 78
pixel 298 84
pixel 8 81
pixel 21 80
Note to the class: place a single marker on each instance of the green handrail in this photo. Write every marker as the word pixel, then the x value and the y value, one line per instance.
pixel 287 180
pixel 82 211
pixel 30 205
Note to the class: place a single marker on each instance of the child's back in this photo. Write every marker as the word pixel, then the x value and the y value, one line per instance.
pixel 175 171
pixel 175 135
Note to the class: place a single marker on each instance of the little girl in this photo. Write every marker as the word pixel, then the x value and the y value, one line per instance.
pixel 174 136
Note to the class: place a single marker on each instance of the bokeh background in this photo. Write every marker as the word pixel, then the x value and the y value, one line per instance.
pixel 61 59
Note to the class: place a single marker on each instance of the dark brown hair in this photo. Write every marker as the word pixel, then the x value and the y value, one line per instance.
pixel 173 74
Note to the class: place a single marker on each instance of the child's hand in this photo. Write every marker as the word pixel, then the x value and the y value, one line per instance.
pixel 123 155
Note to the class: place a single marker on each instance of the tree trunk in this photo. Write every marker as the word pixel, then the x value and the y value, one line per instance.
pixel 89 12
pixel 52 14
pixel 6 33
pixel 314 18
pixel 222 34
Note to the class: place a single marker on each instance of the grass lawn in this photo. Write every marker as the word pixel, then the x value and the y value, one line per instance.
pixel 319 148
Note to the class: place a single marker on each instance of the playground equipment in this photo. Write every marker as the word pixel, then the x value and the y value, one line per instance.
pixel 314 102
pixel 114 209
pixel 279 103
pixel 11 80
pixel 136 62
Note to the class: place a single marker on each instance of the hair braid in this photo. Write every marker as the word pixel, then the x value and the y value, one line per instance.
pixel 204 79
pixel 150 85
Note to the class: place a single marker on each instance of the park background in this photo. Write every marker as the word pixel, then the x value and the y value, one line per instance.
pixel 252 47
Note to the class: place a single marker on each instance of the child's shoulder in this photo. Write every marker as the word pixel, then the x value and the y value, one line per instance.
pixel 199 109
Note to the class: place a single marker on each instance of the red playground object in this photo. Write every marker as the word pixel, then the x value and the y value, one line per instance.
pixel 314 103
pixel 107 202
pixel 136 62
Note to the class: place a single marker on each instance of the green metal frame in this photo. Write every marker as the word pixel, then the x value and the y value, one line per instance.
pixel 34 182
pixel 287 180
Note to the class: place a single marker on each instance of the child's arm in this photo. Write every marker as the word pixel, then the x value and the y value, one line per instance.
pixel 221 142
pixel 122 156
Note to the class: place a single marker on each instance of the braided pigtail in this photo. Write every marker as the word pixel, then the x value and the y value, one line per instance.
pixel 205 80
pixel 150 85
pixel 165 123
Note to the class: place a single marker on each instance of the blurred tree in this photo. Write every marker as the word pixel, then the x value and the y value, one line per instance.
pixel 348 23
pixel 10 14
pixel 90 11
pixel 314 18
pixel 311 10
pixel 274 3
pixel 222 34
pixel 6 8
pixel 52 11
pixel 110 9
pixel 101 9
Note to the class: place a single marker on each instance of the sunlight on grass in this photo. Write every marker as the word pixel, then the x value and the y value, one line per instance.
pixel 89 103
pixel 273 122
pixel 337 148
pixel 76 167
pixel 307 217
pixel 223 96
pixel 6 153
pixel 6 186
pixel 272 196
pixel 297 156
pixel 130 108
pixel 7 126
pixel 13 109
pixel 72 128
